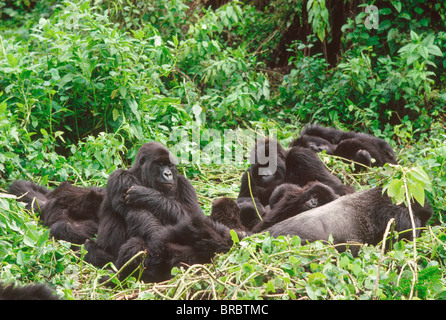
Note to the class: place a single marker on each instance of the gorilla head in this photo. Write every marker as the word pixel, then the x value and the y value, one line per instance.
pixel 266 172
pixel 155 167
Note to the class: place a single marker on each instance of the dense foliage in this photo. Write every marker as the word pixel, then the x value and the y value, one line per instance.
pixel 84 83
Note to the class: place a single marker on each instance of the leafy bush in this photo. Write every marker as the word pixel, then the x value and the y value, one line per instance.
pixel 83 84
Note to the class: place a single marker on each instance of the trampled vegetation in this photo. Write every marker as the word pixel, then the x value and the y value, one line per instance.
pixel 83 85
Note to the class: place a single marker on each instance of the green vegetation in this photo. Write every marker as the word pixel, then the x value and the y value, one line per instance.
pixel 82 86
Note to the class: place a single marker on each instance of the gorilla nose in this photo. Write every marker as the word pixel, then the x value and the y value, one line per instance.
pixel 167 175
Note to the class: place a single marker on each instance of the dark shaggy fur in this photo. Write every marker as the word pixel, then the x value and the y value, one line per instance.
pixel 262 185
pixel 358 147
pixel 138 202
pixel 29 292
pixel 289 200
pixel 226 211
pixel 304 166
pixel 70 212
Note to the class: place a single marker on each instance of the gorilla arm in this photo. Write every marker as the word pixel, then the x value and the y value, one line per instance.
pixel 168 208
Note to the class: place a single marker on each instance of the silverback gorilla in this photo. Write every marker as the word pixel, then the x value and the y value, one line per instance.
pixel 354 218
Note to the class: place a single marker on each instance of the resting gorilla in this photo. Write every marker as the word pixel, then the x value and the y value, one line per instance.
pixel 184 244
pixel 361 217
pixel 138 202
pixel 358 147
pixel 289 199
pixel 286 201
pixel 266 172
pixel 70 212
pixel 226 211
pixel 304 166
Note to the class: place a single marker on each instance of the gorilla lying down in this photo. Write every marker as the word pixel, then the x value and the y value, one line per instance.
pixel 359 218
pixel 69 211
pixel 360 148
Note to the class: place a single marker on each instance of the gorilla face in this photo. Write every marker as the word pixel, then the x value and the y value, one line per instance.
pixel 155 168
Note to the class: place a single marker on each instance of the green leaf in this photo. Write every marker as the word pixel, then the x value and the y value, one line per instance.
pixel 396 191
pixel 115 114
pixel 416 191
pixel 419 174
pixel 234 237
pixel 435 50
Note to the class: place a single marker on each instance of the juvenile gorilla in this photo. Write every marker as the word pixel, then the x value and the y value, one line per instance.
pixel 358 147
pixel 286 201
pixel 355 218
pixel 69 211
pixel 304 166
pixel 289 200
pixel 138 202
pixel 226 211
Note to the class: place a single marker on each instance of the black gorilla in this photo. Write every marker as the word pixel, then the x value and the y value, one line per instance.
pixel 304 166
pixel 286 201
pixel 187 243
pixel 315 143
pixel 138 202
pixel 69 211
pixel 250 211
pixel 358 147
pixel 360 217
pixel 289 199
pixel 266 172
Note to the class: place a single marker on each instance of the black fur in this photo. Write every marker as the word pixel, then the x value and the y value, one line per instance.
pixel 69 211
pixel 226 211
pixel 263 185
pixel 138 203
pixel 358 147
pixel 29 292
pixel 187 243
pixel 289 200
pixel 304 166
pixel 249 213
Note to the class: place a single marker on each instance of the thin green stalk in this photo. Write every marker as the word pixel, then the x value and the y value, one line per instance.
pixel 252 197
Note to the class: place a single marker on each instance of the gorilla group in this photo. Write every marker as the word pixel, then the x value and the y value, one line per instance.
pixel 304 198
pixel 151 208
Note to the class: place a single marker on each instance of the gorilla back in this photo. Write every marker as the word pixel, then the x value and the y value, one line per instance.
pixel 359 217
